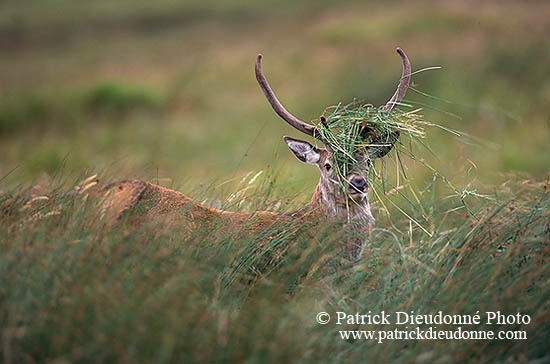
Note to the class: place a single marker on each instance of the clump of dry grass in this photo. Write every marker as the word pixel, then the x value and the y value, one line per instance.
pixel 356 131
pixel 355 127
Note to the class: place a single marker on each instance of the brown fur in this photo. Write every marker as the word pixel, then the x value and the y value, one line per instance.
pixel 146 202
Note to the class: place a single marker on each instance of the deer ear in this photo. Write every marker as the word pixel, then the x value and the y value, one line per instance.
pixel 303 150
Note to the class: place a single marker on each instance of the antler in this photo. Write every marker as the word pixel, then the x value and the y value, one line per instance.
pixel 391 138
pixel 278 108
pixel 403 83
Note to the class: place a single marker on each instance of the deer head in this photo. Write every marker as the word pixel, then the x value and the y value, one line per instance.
pixel 330 194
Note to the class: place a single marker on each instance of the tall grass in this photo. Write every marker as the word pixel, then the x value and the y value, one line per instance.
pixel 70 290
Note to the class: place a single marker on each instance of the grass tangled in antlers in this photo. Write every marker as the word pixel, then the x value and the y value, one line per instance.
pixel 355 127
pixel 358 129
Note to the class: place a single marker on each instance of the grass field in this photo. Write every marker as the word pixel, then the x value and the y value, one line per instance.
pixel 165 92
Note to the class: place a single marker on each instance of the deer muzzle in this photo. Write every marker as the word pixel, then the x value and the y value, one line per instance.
pixel 357 185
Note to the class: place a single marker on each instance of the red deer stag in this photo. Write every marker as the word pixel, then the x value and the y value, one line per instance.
pixel 348 204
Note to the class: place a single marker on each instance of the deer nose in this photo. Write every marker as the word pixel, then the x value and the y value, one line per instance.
pixel 358 183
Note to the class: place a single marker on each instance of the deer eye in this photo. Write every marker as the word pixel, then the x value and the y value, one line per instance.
pixel 328 166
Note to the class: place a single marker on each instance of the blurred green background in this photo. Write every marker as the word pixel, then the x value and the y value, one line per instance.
pixel 165 91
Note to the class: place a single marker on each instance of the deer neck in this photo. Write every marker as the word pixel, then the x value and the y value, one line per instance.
pixel 325 199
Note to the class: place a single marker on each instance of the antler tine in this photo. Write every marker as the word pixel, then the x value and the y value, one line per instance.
pixel 278 108
pixel 403 83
